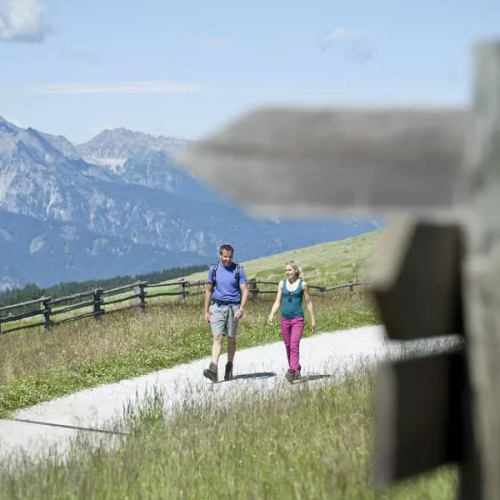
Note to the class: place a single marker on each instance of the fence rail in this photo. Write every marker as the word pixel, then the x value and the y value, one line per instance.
pixel 95 302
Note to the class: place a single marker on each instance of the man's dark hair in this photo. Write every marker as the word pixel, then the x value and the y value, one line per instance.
pixel 226 247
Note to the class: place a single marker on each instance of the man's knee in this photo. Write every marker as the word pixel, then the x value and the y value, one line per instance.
pixel 218 337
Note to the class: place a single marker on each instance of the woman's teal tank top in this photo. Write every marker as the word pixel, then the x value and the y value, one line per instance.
pixel 291 302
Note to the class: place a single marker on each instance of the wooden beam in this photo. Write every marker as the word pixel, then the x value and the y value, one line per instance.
pixel 415 279
pixel 315 162
pixel 481 207
pixel 418 416
pixel 424 420
pixel 471 475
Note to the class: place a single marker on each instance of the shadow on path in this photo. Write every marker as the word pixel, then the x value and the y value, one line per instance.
pixel 256 375
pixel 309 378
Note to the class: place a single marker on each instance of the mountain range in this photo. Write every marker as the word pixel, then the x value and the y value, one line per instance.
pixel 121 204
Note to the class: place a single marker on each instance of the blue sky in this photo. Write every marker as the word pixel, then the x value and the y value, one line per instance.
pixel 185 68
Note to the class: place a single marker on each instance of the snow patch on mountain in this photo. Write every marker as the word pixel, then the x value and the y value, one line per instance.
pixel 36 244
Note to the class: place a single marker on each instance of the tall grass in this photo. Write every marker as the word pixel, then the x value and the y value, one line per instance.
pixel 38 366
pixel 307 441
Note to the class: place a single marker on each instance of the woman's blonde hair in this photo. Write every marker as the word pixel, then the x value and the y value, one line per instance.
pixel 295 266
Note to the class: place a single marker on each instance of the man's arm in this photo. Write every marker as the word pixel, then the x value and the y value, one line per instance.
pixel 208 296
pixel 244 296
pixel 209 287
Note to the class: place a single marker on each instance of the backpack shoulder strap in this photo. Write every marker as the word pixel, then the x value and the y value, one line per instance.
pixel 214 273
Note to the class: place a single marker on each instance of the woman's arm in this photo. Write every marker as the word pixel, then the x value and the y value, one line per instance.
pixel 276 304
pixel 309 305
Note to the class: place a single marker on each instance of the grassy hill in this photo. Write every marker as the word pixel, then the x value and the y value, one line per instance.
pixel 329 263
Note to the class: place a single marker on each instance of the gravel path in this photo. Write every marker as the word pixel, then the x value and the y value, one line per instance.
pixel 256 369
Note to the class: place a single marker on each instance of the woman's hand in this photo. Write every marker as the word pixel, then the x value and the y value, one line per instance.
pixel 270 320
pixel 313 325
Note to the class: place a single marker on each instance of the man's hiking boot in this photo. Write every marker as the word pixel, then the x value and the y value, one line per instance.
pixel 228 375
pixel 211 372
pixel 291 376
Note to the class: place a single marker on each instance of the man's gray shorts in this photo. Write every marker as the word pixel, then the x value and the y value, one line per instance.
pixel 222 319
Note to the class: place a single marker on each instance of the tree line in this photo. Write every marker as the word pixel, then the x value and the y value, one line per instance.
pixel 32 291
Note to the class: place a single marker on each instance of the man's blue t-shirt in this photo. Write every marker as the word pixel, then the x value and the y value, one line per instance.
pixel 227 288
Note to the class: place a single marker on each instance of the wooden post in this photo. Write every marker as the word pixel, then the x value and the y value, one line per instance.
pixel 480 200
pixel 252 289
pixel 421 410
pixel 415 279
pixel 182 289
pixel 97 298
pixel 140 300
pixel 45 307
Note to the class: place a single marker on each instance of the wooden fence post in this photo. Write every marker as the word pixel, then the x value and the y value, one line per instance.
pixel 481 206
pixel 97 297
pixel 45 307
pixel 140 300
pixel 182 289
pixel 252 289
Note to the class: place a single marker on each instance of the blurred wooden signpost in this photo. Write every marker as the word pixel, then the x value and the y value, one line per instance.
pixel 437 171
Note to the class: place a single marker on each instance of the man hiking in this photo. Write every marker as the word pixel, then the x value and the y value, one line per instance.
pixel 226 295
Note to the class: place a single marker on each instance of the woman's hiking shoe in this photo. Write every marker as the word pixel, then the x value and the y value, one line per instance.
pixel 291 376
pixel 228 375
pixel 211 372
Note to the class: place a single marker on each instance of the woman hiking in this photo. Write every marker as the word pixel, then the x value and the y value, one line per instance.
pixel 290 295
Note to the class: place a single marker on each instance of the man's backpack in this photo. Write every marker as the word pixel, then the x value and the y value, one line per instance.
pixel 214 273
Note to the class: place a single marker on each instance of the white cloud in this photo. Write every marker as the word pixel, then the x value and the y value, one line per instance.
pixel 280 91
pixel 22 21
pixel 168 87
pixel 144 87
pixel 355 46
pixel 344 33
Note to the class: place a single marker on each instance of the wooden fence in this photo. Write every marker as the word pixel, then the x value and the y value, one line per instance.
pixel 94 303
